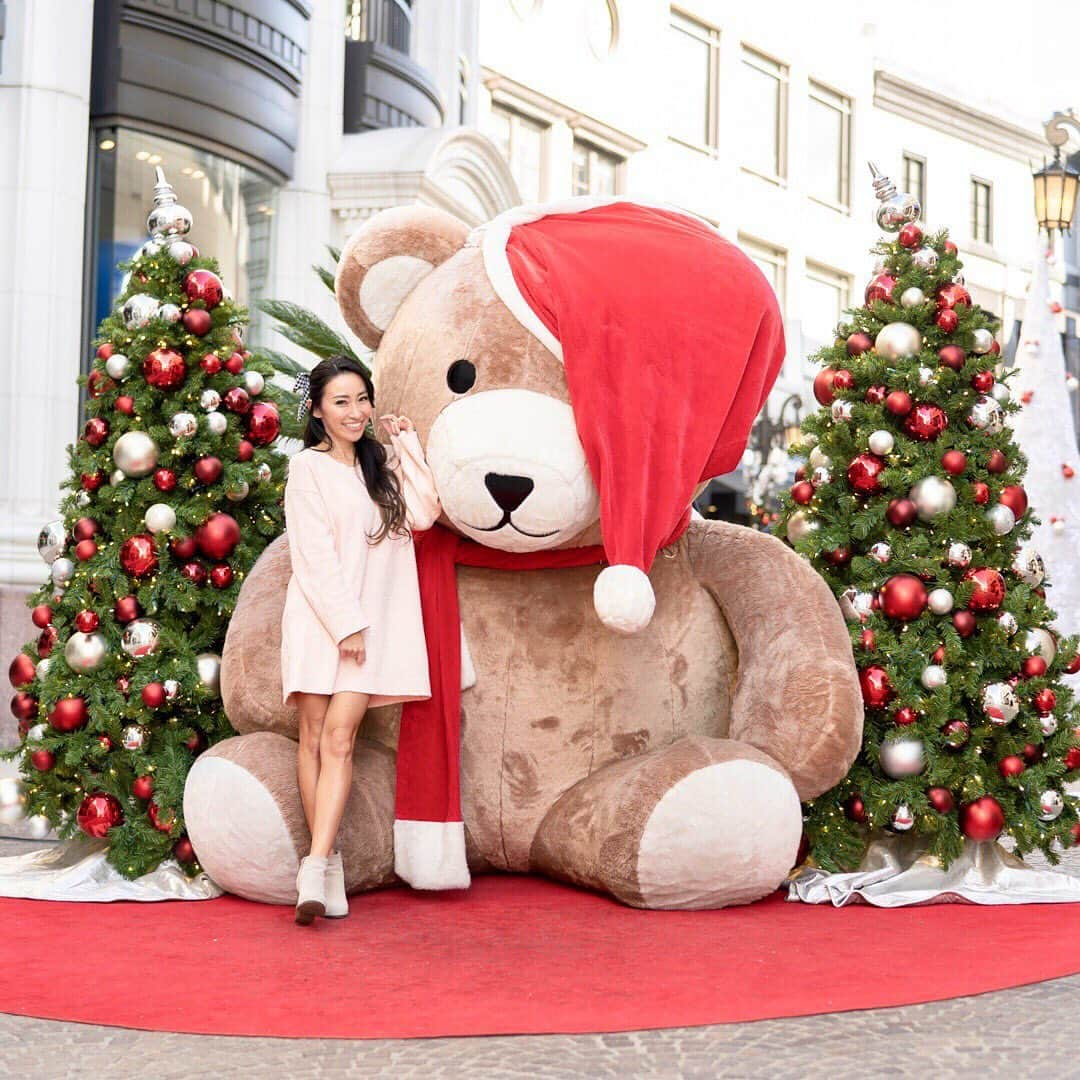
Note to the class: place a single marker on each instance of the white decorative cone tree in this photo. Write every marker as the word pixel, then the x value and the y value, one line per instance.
pixel 1044 430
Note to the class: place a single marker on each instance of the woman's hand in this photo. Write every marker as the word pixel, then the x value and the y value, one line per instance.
pixel 353 646
pixel 395 425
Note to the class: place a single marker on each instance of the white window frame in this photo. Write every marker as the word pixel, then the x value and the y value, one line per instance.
pixel 595 151
pixel 516 117
pixel 919 160
pixel 684 22
pixel 769 65
pixel 825 95
pixel 762 251
pixel 828 275
pixel 977 182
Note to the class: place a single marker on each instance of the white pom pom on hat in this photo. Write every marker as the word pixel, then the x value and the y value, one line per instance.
pixel 623 598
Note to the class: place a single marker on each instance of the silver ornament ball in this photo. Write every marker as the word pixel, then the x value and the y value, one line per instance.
pixel 958 554
pixel 1029 567
pixel 1001 393
pixel 172 689
pixel 37 733
pixel 171 219
pixel 135 453
pixel 183 425
pixel 85 652
pixel 181 251
pixel 138 310
pixel 82 500
pixel 140 638
pixel 117 366
pixel 12 800
pixel 1048 724
pixel 912 297
pixel 1050 805
pixel 903 819
pixel 933 677
pixel 932 497
pixel 940 601
pixel 925 258
pixel 842 410
pixel 904 757
pixel 897 341
pixel 52 540
pixel 986 415
pixel 117 477
pixel 208 665
pixel 1007 621
pixel 209 399
pixel 216 423
pixel 881 442
pixel 170 313
pixel 881 552
pixel 1040 642
pixel 856 606
pixel 984 342
pixel 160 518
pixel 41 669
pixel 134 737
pixel 799 526
pixel 264 472
pixel 818 458
pixel 254 381
pixel 238 492
pixel 1002 519
pixel 63 570
pixel 1000 703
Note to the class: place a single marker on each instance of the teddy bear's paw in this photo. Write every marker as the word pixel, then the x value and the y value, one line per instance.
pixel 702 823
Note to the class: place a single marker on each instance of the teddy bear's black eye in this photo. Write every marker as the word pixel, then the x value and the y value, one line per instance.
pixel 460 376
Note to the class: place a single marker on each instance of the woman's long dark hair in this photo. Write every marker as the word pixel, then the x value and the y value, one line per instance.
pixel 382 483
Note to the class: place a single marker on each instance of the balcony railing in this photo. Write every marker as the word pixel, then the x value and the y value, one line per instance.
pixel 389 22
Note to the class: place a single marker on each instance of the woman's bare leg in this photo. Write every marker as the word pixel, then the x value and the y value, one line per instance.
pixel 340 725
pixel 310 711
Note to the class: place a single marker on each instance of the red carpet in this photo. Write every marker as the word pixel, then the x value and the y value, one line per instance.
pixel 512 955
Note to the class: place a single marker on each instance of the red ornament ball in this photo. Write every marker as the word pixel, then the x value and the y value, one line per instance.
pixel 1072 758
pixel 910 236
pixel 41 616
pixel 877 690
pixel 997 462
pixel 218 536
pixel 901 513
pixel 153 695
pixel 950 248
pixel 205 286
pixel 162 820
pixel 926 422
pixel 823 383
pixel 96 431
pixel 858 343
pixel 1011 765
pixel 123 684
pixel 903 597
pixel 197 322
pixel 263 423
pixel 24 706
pixel 1033 667
pixel 92 481
pixel 957 733
pixel 125 609
pixel 194 572
pixel 904 716
pixel 21 672
pixel 953 295
pixel 1033 754
pixel 874 395
pixel 1073 666
pixel 164 479
pixel 245 450
pixel 880 288
pixel 980 493
pixel 46 640
pixel 982 819
pixel 868 640
pixel 964 623
pixel 85 550
pixel 69 714
pixel 1045 701
pixel 211 363
pixel 864 474
pixel 183 851
pixel 235 363
pixel 983 381
pixel 221 577
pixel 104 351
pixel 941 799
pixel 105 743
pixel 952 357
pixel 855 808
pixel 196 741
pixel 840 556
pixel 843 380
pixel 989 591
pixel 183 547
pixel 87 621
pixel 802 492
pixel 899 403
pixel 43 760
pixel 125 404
pixel 99 383
pixel 142 787
pixel 938 655
pixel 954 462
pixel 99 813
pixel 137 555
pixel 208 470
pixel 237 400
pixel 947 320
pixel 85 528
pixel 164 369
pixel 1015 498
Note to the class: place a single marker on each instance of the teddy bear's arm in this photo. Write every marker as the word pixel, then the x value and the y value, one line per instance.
pixel 797 696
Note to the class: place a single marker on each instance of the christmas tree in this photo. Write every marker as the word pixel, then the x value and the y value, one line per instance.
pixel 174 490
pixel 912 507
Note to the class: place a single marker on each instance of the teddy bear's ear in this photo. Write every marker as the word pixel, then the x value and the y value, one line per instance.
pixel 383 261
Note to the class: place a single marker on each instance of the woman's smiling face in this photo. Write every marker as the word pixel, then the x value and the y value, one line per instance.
pixel 345 407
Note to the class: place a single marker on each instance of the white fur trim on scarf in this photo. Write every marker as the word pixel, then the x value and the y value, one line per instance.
pixel 624 599
pixel 431 854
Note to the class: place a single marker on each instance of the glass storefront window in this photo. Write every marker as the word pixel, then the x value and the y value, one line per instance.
pixel 233 209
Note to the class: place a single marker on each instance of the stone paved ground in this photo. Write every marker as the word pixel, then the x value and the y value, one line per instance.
pixel 1023 1032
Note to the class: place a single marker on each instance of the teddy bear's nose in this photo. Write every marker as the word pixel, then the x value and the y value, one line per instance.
pixel 509 492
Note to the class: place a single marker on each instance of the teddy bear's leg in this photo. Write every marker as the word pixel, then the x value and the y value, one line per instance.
pixel 246 822
pixel 702 823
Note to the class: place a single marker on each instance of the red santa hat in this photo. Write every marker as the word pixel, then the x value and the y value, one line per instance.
pixel 671 339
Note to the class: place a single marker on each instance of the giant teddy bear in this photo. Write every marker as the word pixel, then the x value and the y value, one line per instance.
pixel 646 728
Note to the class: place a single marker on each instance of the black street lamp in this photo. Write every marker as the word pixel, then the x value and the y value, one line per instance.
pixel 1056 183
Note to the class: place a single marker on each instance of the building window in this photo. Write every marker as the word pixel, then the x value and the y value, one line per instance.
pixel 982 210
pixel 695 50
pixel 520 139
pixel 763 113
pixel 596 172
pixel 388 22
pixel 915 179
pixel 825 296
pixel 829 146
pixel 771 261
pixel 232 205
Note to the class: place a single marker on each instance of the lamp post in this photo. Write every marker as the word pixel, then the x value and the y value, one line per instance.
pixel 1056 183
pixel 769 466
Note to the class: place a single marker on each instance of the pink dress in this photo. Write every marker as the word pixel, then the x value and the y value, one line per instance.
pixel 341 583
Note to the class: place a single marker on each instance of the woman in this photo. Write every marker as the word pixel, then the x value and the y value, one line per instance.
pixel 351 633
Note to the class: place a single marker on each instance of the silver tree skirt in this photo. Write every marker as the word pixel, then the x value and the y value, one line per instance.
pixel 896 871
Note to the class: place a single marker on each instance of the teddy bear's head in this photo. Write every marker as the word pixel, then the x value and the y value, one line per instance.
pixel 575 372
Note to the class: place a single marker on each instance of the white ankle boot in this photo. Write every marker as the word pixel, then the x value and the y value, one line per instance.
pixel 337 903
pixel 311 889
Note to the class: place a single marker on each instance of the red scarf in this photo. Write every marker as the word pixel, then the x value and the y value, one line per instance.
pixel 429 743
